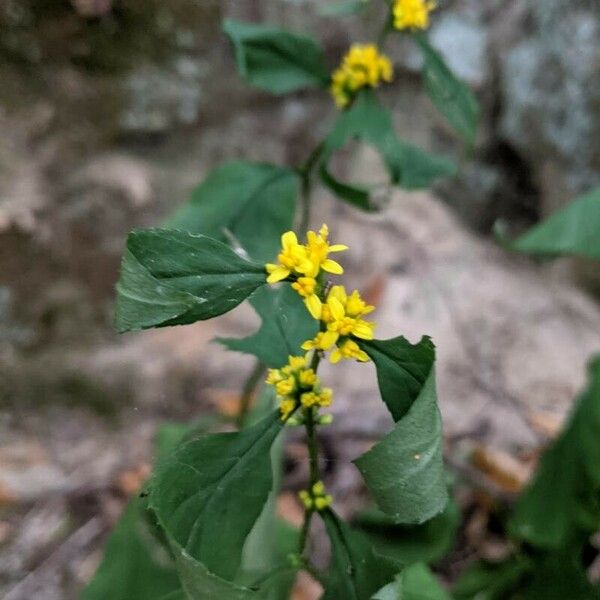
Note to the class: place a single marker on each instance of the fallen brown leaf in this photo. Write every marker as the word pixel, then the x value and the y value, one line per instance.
pixel 506 471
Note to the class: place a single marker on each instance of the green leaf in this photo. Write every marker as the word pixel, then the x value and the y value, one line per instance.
pixel 564 496
pixel 572 230
pixel 135 565
pixel 416 582
pixel 428 542
pixel 210 491
pixel 170 277
pixel 251 203
pixel 370 122
pixel 492 581
pixel 402 369
pixel 276 60
pixel 286 324
pixel 356 571
pixel 449 95
pixel 543 576
pixel 404 471
pixel 343 7
pixel 558 576
pixel 419 169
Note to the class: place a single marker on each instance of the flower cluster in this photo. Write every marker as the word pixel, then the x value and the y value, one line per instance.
pixel 296 385
pixel 363 66
pixel 342 319
pixel 316 498
pixel 412 14
pixel 303 264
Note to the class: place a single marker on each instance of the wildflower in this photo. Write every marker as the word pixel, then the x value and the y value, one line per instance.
pixel 318 250
pixel 341 316
pixel 348 349
pixel 319 398
pixel 297 385
pixel 306 287
pixel 303 263
pixel 412 14
pixel 363 66
pixel 292 258
pixel 286 407
pixel 316 498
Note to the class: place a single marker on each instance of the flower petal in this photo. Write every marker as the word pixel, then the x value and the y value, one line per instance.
pixel 336 308
pixel 314 306
pixel 335 356
pixel 289 239
pixel 328 339
pixel 332 267
pixel 338 248
pixel 278 274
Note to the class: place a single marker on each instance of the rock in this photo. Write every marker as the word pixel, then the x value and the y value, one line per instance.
pixel 511 336
pixel 550 82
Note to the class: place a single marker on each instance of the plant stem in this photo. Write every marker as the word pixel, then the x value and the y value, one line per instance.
pixel 313 458
pixel 305 172
pixel 248 390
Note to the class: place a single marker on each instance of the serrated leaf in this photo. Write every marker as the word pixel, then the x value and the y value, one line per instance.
pixel 286 324
pixel 135 565
pixel 427 543
pixel 415 582
pixel 574 230
pixel 564 497
pixel 370 122
pixel 171 277
pixel 210 491
pixel 450 96
pixel 404 471
pixel 276 60
pixel 356 571
pixel 253 203
pixel 343 7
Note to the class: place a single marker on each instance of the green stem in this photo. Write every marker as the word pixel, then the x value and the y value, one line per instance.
pixel 313 459
pixel 250 385
pixel 306 172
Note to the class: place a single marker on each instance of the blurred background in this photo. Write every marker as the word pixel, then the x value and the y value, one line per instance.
pixel 111 111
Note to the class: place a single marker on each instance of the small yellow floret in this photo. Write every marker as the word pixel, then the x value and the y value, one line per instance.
pixel 297 384
pixel 341 316
pixel 303 264
pixel 412 14
pixel 316 498
pixel 363 66
pixel 348 349
pixel 286 386
pixel 286 407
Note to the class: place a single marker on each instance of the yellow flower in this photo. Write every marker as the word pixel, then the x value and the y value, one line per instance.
pixel 341 316
pixel 412 14
pixel 318 250
pixel 348 349
pixel 319 398
pixel 341 321
pixel 306 287
pixel 292 258
pixel 307 378
pixel 363 66
pixel 286 386
pixel 286 407
pixel 303 263
pixel 296 383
